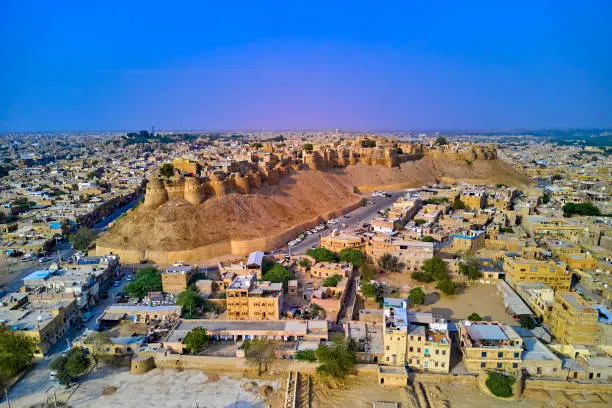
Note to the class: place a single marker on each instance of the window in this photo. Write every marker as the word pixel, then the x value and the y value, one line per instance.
pixel 411 349
pixel 539 370
pixel 484 354
pixel 443 352
pixel 437 351
pixel 516 355
pixel 555 370
pixel 418 350
pixel 515 365
pixel 411 337
pixel 500 355
pixel 443 364
pixel 387 358
pixel 387 348
pixel 483 365
pixel 499 365
pixel 419 338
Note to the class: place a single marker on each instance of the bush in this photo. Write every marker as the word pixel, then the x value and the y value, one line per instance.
pixel 332 281
pixel 308 146
pixel 441 141
pixel 146 280
pixel 471 271
pixel 369 290
pixel 416 296
pixel 458 204
pixel 83 239
pixel 421 277
pixel 586 208
pixel 17 352
pixel 428 238
pixel 419 221
pixel 72 366
pixel 196 340
pixel 306 355
pixel 368 272
pixel 304 262
pixel 189 300
pixel 500 385
pixel 474 317
pixel 388 262
pixel 468 162
pixel 352 255
pixel 322 255
pixel 526 322
pixel 278 274
pixel 338 358
pixel 436 268
pixel 447 286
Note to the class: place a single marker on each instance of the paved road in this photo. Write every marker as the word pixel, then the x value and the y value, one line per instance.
pixel 358 217
pixel 118 212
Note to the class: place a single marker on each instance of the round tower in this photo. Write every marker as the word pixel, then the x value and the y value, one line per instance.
pixel 155 194
pixel 193 191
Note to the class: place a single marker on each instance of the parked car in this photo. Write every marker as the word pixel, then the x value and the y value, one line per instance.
pixel 117 284
pixel 44 259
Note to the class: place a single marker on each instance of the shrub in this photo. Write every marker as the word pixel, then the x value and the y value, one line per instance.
pixel 304 262
pixel 368 272
pixel 196 340
pixel 146 280
pixel 428 238
pixel 338 358
pixel 331 281
pixel 447 286
pixel 306 355
pixel 458 204
pixel 471 271
pixel 436 268
pixel 322 255
pixel 352 255
pixel 586 208
pixel 388 262
pixel 441 141
pixel 369 289
pixel 278 274
pixel 526 322
pixel 500 385
pixel 416 296
pixel 422 277
pixel 419 221
pixel 474 317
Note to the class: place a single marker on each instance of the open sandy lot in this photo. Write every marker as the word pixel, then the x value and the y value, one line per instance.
pixel 164 388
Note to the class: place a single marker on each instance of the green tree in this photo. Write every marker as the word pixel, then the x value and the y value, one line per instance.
pixel 500 385
pixel 468 162
pixel 71 366
pixel 416 296
pixel 189 300
pixel 353 256
pixel 368 143
pixel 436 268
pixel 422 277
pixel 278 274
pixel 304 262
pixel 260 353
pixel 471 271
pixel 331 281
pixel 526 322
pixel 428 238
pixel 369 290
pixel 196 340
pixel 338 358
pixel 83 239
pixel 474 317
pixel 458 204
pixel 441 141
pixel 16 353
pixel 447 286
pixel 388 262
pixel 257 145
pixel 586 208
pixel 167 170
pixel 308 146
pixel 419 221
pixel 147 279
pixel 368 272
pixel 306 355
pixel 322 255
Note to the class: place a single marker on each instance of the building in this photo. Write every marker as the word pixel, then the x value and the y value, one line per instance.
pixel 411 254
pixel 248 299
pixel 574 320
pixel 474 199
pixel 490 345
pixel 416 340
pixel 252 265
pixel 539 361
pixel 176 278
pixel 549 272
pixel 138 314
pixel 466 241
pixel 324 270
pixel 337 243
pixel 44 322
pixel 539 297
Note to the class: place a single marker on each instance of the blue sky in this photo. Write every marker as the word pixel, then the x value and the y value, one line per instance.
pixel 473 65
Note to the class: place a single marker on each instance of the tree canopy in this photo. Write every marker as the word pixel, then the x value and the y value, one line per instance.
pixel 388 262
pixel 368 272
pixel 304 262
pixel 458 204
pixel 500 385
pixel 260 353
pixel 278 274
pixel 586 208
pixel 353 256
pixel 167 170
pixel 441 141
pixel 147 279
pixel 428 238
pixel 369 290
pixel 83 238
pixel 331 281
pixel 189 300
pixel 447 286
pixel 474 317
pixel 322 255
pixel 306 355
pixel 470 270
pixel 308 146
pixel 436 268
pixel 338 358
pixel 71 366
pixel 416 296
pixel 16 353
pixel 196 340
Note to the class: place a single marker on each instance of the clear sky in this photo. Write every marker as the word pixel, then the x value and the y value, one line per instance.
pixel 361 65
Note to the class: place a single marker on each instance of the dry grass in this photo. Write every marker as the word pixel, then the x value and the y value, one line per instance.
pixel 108 390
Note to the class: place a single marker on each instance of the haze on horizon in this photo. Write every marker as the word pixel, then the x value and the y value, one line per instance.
pixel 203 65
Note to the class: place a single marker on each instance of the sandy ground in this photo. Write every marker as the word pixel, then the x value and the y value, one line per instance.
pixel 163 388
pixel 479 298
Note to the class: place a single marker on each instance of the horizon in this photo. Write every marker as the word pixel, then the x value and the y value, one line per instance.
pixel 400 68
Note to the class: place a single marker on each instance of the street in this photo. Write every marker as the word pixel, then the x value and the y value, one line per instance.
pixel 357 218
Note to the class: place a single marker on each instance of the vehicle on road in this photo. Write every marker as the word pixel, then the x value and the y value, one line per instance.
pixel 117 284
pixel 87 316
pixel 347 216
pixel 44 259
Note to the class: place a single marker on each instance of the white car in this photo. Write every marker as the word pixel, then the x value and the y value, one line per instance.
pixel 308 232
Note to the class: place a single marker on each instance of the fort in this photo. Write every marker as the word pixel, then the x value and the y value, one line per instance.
pixel 242 176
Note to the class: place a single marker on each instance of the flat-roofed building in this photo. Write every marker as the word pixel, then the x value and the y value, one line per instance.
pixel 490 345
pixel 175 278
pixel 324 270
pixel 539 361
pixel 248 299
pixel 539 297
pixel 550 272
pixel 474 199
pixel 338 242
pixel 574 320
pixel 410 253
